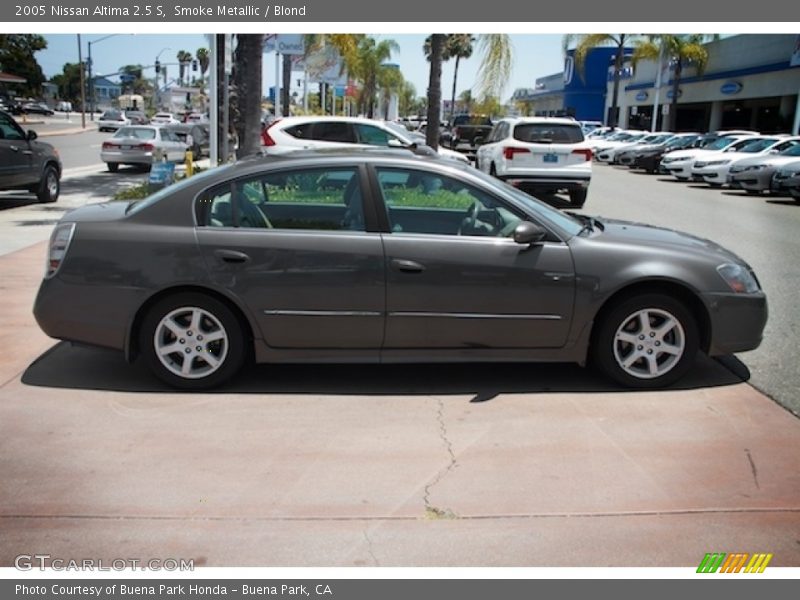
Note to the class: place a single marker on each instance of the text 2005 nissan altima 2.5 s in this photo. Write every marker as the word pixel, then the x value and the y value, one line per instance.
pixel 376 257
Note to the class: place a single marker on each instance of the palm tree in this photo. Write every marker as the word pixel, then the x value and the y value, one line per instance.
pixel 459 45
pixel 681 51
pixel 584 44
pixel 346 44
pixel 436 56
pixel 204 59
pixel 408 98
pixel 247 84
pixel 390 82
pixel 184 58
pixel 493 73
pixel 369 63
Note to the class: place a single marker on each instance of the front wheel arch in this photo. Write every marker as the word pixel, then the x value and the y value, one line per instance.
pixel 667 288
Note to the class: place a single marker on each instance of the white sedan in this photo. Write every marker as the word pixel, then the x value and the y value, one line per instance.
pixel 679 162
pixel 164 118
pixel 141 145
pixel 714 168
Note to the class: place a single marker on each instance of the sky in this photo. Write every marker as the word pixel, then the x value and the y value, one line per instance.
pixel 535 55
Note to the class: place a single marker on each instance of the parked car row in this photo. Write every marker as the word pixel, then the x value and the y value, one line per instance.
pixel 745 160
pixel 114 118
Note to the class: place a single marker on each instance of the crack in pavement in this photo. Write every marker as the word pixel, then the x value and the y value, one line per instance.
pixel 752 468
pixel 426 496
pixel 369 548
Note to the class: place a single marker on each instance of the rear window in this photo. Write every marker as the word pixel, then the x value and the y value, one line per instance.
pixel 142 134
pixel 548 133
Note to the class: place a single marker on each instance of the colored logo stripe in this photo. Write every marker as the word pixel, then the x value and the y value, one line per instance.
pixel 734 563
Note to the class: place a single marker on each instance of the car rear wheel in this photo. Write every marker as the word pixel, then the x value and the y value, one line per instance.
pixel 578 197
pixel 113 167
pixel 192 341
pixel 647 341
pixel 50 185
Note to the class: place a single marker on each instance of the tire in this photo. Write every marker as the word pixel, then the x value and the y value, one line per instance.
pixel 113 167
pixel 167 341
pixel 578 197
pixel 621 329
pixel 50 186
pixel 753 192
pixel 493 170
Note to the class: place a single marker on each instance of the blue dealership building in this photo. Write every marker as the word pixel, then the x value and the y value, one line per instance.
pixel 751 81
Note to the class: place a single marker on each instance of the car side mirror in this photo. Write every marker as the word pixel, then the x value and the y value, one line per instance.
pixel 478 141
pixel 529 233
pixel 393 143
pixel 32 135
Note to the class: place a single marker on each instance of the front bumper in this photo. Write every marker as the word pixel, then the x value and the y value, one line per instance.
pixel 751 180
pixel 737 321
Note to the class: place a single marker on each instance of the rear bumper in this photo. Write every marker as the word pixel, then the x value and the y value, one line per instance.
pixel 546 183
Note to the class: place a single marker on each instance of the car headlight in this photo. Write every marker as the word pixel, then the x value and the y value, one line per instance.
pixel 717 163
pixel 756 167
pixel 738 278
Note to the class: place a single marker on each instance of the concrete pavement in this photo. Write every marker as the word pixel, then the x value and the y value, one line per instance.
pixel 446 465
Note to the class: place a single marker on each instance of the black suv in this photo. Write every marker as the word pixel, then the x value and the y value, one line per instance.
pixel 27 164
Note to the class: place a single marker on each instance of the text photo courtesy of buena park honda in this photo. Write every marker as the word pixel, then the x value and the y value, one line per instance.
pixel 399 300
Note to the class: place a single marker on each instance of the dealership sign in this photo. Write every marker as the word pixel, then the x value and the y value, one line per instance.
pixel 641 96
pixel 730 88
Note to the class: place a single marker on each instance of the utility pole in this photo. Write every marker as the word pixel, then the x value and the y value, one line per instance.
pixel 83 84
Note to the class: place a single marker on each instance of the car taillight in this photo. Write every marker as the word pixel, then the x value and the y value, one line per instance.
pixel 587 153
pixel 107 145
pixel 266 138
pixel 145 147
pixel 59 244
pixel 510 151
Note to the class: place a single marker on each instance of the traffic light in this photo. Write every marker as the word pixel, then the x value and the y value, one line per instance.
pixel 158 67
pixel 194 65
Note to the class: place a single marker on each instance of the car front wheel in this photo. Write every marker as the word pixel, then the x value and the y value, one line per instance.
pixel 647 341
pixel 192 341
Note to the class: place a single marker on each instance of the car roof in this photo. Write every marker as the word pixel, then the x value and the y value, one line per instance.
pixel 330 118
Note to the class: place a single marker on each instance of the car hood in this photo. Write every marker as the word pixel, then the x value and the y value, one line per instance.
pixel 628 232
pixel 688 154
pixel 773 160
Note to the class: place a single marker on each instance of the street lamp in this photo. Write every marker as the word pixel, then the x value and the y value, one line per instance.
pixel 89 64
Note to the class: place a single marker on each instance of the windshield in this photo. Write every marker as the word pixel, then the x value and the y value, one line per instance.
pixel 720 144
pixel 563 221
pixel 401 131
pixel 758 145
pixel 792 150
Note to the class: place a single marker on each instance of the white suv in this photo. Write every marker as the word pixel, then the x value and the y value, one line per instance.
pixel 539 154
pixel 290 134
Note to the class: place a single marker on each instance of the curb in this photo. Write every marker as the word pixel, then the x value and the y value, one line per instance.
pixel 65 132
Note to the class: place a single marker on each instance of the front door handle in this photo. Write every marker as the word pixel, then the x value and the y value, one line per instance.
pixel 231 256
pixel 407 266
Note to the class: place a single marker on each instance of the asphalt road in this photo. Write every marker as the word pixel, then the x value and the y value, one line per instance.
pixel 764 231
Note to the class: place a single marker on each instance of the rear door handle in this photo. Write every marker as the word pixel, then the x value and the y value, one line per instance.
pixel 407 266
pixel 231 256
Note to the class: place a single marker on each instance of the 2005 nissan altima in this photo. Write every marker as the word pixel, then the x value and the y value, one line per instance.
pixel 377 257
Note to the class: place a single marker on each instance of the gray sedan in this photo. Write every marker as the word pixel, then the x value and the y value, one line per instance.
pixel 379 257
pixel 754 175
pixel 787 179
pixel 142 146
